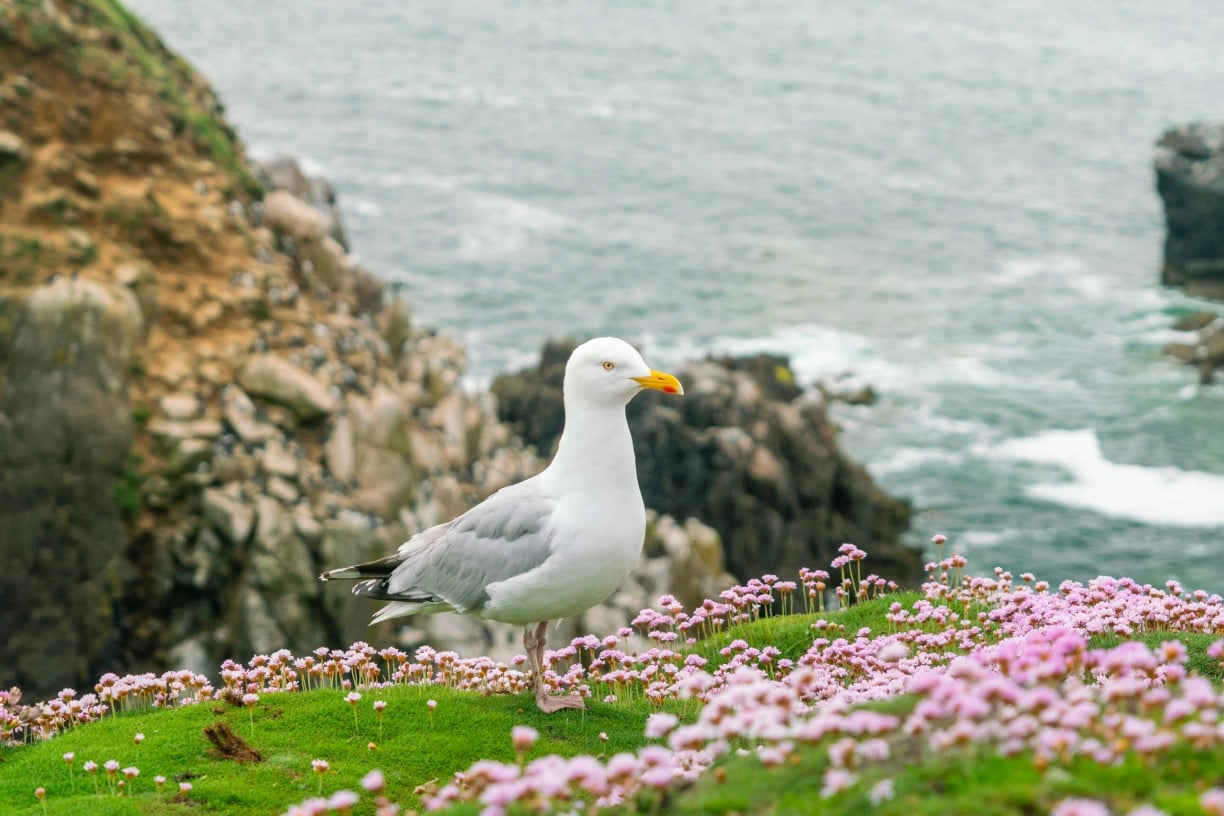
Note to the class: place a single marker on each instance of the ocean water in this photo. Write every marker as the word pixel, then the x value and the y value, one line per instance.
pixel 953 202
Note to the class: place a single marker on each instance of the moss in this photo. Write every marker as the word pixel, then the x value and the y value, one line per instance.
pixel 21 258
pixel 141 414
pixel 141 222
pixel 190 105
pixel 56 209
pixel 128 500
pixel 259 309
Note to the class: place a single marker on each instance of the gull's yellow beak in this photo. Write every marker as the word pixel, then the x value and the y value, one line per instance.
pixel 661 381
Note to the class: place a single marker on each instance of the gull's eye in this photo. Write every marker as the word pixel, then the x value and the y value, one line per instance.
pixel 608 365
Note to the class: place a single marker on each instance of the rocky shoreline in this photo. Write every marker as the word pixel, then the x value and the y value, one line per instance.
pixel 204 400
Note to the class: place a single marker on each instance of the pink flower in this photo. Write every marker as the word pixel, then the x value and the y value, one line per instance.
pixel 131 773
pixel 374 781
pixel 1080 807
pixel 660 724
pixel 523 737
pixel 1212 801
pixel 319 765
pixel 380 705
pixel 881 792
pixel 342 800
pixel 138 738
pixel 836 780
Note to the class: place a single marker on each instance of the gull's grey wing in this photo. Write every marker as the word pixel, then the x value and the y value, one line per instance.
pixel 453 563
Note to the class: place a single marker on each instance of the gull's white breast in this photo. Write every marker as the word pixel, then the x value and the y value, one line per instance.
pixel 597 539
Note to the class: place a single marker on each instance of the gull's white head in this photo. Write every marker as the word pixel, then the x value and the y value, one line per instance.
pixel 608 370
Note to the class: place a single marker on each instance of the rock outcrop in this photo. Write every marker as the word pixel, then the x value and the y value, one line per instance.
pixel 1206 352
pixel 1190 180
pixel 203 401
pixel 746 452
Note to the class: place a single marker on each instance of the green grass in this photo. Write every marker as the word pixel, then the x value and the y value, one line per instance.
pixel 793 634
pixel 981 784
pixel 1196 649
pixel 416 748
pixel 290 730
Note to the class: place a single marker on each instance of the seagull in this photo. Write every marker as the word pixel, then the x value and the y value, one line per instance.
pixel 549 547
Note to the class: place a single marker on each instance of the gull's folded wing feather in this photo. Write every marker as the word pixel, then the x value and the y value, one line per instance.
pixel 451 565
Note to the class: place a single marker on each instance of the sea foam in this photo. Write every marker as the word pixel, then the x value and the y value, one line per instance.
pixel 1166 496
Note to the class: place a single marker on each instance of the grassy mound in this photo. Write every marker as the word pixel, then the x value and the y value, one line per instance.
pixel 970 697
pixel 415 746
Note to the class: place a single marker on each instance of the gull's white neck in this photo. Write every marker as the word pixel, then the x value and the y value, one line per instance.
pixel 596 449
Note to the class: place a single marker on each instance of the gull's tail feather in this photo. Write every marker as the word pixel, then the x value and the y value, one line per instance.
pixel 400 608
pixel 381 568
pixel 374 582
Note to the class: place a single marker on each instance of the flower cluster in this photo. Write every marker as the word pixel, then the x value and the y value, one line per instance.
pixel 986 664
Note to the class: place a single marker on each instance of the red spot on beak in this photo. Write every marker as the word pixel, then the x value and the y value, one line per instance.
pixel 667 389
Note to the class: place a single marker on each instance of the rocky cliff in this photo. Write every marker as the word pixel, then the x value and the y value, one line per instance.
pixel 204 401
pixel 746 452
pixel 1190 180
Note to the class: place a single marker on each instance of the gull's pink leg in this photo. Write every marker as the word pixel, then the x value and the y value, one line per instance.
pixel 547 704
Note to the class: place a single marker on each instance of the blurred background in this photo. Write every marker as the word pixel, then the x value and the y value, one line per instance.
pixel 952 203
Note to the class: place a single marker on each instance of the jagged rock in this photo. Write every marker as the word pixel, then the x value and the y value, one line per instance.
pixel 13 158
pixel 175 429
pixel 307 526
pixel 239 413
pixel 180 406
pixel 284 173
pixel 280 560
pixel 382 468
pixel 765 473
pixel 1186 352
pixel 1190 181
pixel 228 515
pixel 12 149
pixel 65 431
pixel 287 213
pixel 348 539
pixel 279 460
pixel 329 263
pixel 1207 352
pixel 283 490
pixel 1194 321
pixel 693 555
pixel 186 454
pixel 339 453
pixel 271 378
pixel 86 183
